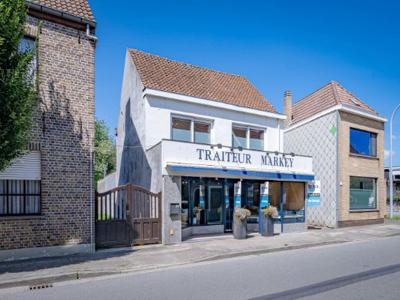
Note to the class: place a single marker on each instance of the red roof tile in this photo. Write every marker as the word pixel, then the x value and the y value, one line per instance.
pixel 180 78
pixel 78 8
pixel 326 97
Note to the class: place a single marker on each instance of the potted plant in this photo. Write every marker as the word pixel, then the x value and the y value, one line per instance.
pixel 240 216
pixel 267 219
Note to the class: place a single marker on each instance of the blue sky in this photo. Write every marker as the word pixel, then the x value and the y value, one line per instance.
pixel 278 45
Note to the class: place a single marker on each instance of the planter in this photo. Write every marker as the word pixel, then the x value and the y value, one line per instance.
pixel 267 228
pixel 240 229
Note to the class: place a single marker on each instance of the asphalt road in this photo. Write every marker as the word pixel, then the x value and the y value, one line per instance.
pixel 358 270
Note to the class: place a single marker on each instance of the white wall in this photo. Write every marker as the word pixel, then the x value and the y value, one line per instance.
pixel 158 122
pixel 132 88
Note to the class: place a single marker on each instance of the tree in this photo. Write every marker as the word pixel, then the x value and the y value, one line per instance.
pixel 18 94
pixel 105 153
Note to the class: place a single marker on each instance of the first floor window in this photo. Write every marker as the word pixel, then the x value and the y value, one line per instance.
pixel 246 137
pixel 362 193
pixel 19 197
pixel 362 142
pixel 189 130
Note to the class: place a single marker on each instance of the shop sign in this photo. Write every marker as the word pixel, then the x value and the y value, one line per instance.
pixel 264 195
pixel 314 193
pixel 261 158
pixel 238 194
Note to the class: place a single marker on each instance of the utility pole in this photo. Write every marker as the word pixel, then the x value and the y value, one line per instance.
pixel 391 161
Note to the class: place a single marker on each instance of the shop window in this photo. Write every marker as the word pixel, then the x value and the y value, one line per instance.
pixel 362 142
pixel 19 197
pixel 185 203
pixel 362 193
pixel 246 137
pixel 188 130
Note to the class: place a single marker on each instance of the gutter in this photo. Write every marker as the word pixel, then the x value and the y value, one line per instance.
pixel 66 16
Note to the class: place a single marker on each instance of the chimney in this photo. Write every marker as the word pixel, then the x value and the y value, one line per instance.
pixel 287 107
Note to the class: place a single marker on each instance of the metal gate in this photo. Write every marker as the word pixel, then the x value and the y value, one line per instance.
pixel 128 215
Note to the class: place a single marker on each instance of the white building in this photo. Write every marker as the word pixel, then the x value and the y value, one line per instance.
pixel 209 141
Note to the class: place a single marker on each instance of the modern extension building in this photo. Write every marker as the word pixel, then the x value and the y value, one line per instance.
pixel 209 142
pixel 345 137
pixel 46 196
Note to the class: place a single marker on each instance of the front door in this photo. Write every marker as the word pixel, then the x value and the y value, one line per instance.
pixel 215 201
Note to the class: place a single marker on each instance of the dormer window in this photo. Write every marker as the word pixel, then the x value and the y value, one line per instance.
pixel 190 130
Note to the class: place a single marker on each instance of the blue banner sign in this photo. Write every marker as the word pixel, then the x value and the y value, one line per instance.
pixel 226 196
pixel 202 196
pixel 314 193
pixel 264 195
pixel 238 194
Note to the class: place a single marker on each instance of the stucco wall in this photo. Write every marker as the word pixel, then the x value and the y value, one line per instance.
pixel 158 122
pixel 359 166
pixel 171 225
pixel 319 139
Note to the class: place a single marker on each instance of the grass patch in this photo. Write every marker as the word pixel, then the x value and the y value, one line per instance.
pixel 397 218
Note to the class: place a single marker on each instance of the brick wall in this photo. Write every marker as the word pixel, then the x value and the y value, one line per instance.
pixel 64 129
pixel 359 166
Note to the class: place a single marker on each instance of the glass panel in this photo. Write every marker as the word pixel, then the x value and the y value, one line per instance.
pixel 181 130
pixel 362 142
pixel 362 193
pixel 198 217
pixel 253 201
pixel 27 44
pixel 239 137
pixel 256 139
pixel 201 133
pixel 214 212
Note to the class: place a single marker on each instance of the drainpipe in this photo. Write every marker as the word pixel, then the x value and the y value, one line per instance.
pixel 89 35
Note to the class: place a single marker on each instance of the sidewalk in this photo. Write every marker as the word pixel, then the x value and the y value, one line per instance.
pixel 117 261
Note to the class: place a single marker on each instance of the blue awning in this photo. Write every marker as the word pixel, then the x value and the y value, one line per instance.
pixel 242 173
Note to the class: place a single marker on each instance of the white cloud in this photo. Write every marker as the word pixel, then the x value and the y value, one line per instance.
pixel 387 153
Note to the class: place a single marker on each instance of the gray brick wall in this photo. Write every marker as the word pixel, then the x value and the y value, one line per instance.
pixel 318 139
pixel 64 129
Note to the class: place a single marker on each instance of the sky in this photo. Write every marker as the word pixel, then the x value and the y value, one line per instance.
pixel 277 44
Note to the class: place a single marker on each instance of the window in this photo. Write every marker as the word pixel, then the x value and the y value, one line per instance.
pixel 27 44
pixel 181 130
pixel 362 142
pixel 362 193
pixel 189 130
pixel 19 197
pixel 201 132
pixel 246 137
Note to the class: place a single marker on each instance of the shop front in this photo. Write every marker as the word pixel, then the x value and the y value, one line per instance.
pixel 215 179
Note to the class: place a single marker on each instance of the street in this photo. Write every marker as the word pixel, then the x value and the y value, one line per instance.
pixel 357 270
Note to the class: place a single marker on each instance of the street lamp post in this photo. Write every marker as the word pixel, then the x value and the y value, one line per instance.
pixel 391 161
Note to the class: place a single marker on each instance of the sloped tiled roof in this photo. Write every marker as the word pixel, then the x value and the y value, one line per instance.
pixel 77 8
pixel 180 78
pixel 324 98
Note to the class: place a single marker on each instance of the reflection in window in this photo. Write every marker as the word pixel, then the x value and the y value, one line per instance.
pixel 256 139
pixel 362 142
pixel 239 137
pixel 362 193
pixel 28 44
pixel 181 130
pixel 185 203
pixel 201 132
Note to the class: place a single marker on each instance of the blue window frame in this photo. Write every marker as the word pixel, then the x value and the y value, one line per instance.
pixel 363 142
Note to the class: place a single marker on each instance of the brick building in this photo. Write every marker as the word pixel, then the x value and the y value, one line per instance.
pixel 345 137
pixel 46 196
